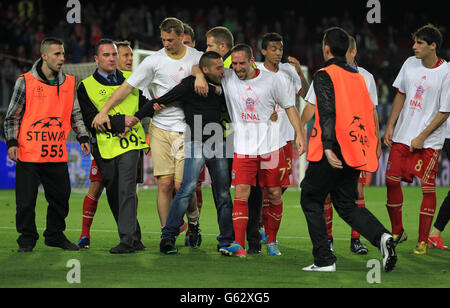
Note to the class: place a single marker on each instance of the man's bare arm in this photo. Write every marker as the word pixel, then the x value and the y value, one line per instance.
pixel 397 106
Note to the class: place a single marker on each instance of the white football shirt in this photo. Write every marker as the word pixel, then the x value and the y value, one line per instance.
pixel 293 85
pixel 425 90
pixel 446 96
pixel 251 103
pixel 160 73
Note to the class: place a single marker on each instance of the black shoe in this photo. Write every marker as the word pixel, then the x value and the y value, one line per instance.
pixel 357 247
pixel 139 246
pixel 84 242
pixel 25 249
pixel 254 248
pixel 64 244
pixel 167 246
pixel 195 237
pixel 122 248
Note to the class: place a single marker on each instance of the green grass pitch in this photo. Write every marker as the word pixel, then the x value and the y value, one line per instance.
pixel 205 267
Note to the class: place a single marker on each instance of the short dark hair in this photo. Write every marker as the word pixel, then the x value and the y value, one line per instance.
pixel 338 41
pixel 430 34
pixel 270 37
pixel 189 31
pixel 49 41
pixel 243 47
pixel 222 35
pixel 104 41
pixel 172 23
pixel 206 58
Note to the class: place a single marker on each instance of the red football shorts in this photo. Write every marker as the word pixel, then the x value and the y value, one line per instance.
pixel 288 155
pixel 271 169
pixel 420 163
pixel 95 174
pixel 362 177
pixel 202 175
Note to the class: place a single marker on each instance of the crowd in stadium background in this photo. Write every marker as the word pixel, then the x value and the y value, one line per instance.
pixel 382 48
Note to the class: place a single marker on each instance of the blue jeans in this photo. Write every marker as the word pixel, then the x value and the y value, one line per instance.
pixel 196 155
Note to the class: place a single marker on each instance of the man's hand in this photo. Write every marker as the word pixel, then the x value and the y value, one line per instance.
pixel 131 121
pixel 388 136
pixel 158 107
pixel 416 144
pixel 300 143
pixel 125 132
pixel 13 153
pixel 274 115
pixel 100 119
pixel 295 63
pixel 333 160
pixel 201 85
pixel 379 151
pixel 85 148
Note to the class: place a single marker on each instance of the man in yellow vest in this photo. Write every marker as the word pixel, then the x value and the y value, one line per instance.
pixel 42 110
pixel 90 202
pixel 116 150
pixel 343 143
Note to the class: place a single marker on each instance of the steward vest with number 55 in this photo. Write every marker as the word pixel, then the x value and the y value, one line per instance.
pixel 355 124
pixel 112 145
pixel 46 122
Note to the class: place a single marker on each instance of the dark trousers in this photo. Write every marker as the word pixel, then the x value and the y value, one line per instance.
pixel 321 179
pixel 119 178
pixel 255 201
pixel 444 214
pixel 444 211
pixel 56 182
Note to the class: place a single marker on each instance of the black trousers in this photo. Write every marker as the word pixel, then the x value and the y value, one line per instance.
pixel 444 211
pixel 444 214
pixel 255 202
pixel 119 178
pixel 321 179
pixel 56 182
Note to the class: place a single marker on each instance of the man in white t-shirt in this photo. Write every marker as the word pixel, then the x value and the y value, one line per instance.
pixel 251 95
pixel 356 246
pixel 295 83
pixel 415 133
pixel 161 72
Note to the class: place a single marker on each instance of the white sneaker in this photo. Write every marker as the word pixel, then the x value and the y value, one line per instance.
pixel 315 268
pixel 387 248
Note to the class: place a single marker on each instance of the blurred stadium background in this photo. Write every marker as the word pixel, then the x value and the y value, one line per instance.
pixel 382 48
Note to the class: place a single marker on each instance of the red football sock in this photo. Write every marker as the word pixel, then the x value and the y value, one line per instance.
pixel 394 203
pixel 240 221
pixel 427 210
pixel 265 209
pixel 360 203
pixel 328 212
pixel 274 214
pixel 89 209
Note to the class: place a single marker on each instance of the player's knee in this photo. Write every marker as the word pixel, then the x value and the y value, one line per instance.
pixel 274 195
pixel 165 187
pixel 428 189
pixel 392 181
